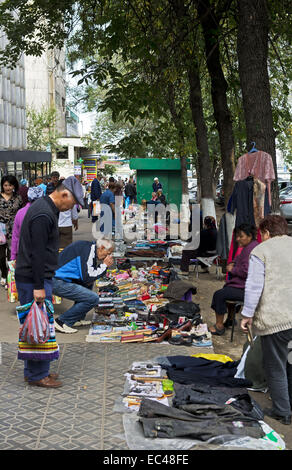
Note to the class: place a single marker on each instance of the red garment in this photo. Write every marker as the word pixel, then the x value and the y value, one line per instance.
pixel 258 164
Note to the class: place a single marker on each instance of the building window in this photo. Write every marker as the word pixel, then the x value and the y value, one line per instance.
pixel 63 155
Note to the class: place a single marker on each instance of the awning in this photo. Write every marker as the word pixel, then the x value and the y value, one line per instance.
pixel 28 156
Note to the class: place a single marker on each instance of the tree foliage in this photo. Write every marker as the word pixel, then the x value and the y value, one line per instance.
pixel 138 52
pixel 41 129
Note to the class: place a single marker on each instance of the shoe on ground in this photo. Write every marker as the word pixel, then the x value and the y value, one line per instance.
pixel 3 281
pixel 52 376
pixel 217 332
pixel 64 328
pixel 46 382
pixel 82 323
pixel 283 419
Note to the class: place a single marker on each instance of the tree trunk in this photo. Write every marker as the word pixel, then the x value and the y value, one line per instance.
pixel 204 163
pixel 210 25
pixel 252 47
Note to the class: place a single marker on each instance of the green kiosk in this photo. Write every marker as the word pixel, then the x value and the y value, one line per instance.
pixel 168 171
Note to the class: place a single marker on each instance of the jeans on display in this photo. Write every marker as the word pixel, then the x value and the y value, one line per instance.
pixel 34 370
pixel 84 298
pixel 277 355
pixel 204 423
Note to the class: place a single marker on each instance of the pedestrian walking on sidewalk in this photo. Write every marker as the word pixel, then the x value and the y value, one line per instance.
pixel 10 203
pixel 33 194
pixel 80 264
pixel 37 260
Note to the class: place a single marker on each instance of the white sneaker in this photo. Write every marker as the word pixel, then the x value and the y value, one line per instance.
pixel 3 281
pixel 82 323
pixel 64 328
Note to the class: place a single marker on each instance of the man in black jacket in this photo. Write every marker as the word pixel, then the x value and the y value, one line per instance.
pixel 95 193
pixel 130 191
pixel 37 260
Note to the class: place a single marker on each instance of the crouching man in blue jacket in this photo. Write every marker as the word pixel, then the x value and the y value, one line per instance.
pixel 79 265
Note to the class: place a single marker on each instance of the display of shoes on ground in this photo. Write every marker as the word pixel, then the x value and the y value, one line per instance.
pixel 132 308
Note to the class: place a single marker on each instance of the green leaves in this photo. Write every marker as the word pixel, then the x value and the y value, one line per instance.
pixel 40 130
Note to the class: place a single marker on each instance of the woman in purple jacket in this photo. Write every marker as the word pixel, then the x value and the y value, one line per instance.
pixel 234 287
pixel 33 193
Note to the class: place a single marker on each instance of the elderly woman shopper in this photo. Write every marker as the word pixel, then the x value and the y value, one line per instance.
pixel 33 194
pixel 10 203
pixel 268 310
pixel 237 274
pixel 79 265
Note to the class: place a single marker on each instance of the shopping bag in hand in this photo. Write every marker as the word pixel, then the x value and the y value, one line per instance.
pixel 12 294
pixel 36 329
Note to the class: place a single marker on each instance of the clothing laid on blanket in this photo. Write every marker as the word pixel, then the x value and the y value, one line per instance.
pixel 191 370
pixel 177 289
pixel 202 423
pixel 202 394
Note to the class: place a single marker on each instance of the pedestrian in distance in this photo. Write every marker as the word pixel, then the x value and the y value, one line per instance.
pixel 10 203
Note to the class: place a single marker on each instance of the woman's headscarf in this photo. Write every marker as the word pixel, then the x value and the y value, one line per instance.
pixel 34 193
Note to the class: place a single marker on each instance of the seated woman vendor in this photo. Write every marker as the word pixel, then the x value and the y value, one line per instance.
pixel 234 287
pixel 208 238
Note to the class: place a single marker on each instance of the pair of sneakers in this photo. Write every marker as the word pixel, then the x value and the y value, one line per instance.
pixel 63 328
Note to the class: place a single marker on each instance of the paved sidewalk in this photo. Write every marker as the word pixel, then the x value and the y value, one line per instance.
pixel 78 416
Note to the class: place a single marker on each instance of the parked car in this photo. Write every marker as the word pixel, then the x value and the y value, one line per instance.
pixel 283 184
pixel 286 205
pixel 285 190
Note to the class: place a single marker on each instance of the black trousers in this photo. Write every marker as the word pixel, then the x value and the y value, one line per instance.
pixel 4 256
pixel 277 354
pixel 227 293
pixel 186 257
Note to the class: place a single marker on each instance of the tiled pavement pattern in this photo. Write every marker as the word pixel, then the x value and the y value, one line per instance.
pixel 79 415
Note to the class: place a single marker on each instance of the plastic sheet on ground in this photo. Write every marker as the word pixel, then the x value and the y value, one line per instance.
pixel 136 441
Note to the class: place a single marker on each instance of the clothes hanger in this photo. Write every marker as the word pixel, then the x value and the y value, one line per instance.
pixel 253 149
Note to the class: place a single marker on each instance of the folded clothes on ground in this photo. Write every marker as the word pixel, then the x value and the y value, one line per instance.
pixel 202 423
pixel 191 370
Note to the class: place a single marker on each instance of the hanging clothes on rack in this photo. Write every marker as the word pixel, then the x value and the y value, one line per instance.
pixel 242 202
pixel 258 164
